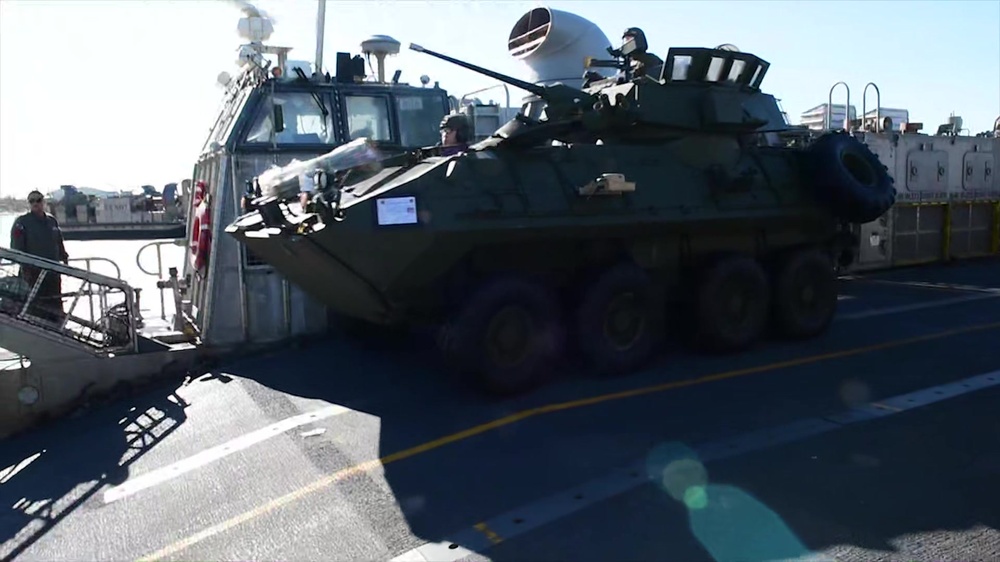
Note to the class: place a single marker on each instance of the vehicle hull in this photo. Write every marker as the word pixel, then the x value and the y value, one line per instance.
pixel 422 273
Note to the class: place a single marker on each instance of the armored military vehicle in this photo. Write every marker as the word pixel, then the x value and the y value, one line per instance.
pixel 672 183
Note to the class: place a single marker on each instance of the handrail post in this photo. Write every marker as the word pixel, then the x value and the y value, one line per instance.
pixel 158 244
pixel 878 106
pixel 847 108
pixel 159 275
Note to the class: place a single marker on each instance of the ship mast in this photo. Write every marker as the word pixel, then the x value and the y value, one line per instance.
pixel 320 28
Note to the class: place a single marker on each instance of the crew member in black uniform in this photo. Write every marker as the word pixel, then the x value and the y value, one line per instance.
pixel 37 233
pixel 644 62
pixel 455 134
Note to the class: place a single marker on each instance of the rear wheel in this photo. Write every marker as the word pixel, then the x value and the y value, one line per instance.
pixel 805 295
pixel 614 324
pixel 732 304
pixel 506 335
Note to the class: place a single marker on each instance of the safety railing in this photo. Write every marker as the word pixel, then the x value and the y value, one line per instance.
pixel 159 273
pixel 33 293
pixel 88 265
pixel 486 89
pixel 88 261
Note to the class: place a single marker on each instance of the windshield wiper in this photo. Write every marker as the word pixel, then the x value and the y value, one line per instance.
pixel 316 97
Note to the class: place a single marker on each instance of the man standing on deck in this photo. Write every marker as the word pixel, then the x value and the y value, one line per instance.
pixel 37 233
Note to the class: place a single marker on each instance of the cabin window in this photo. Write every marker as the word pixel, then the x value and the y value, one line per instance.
pixel 419 119
pixel 715 69
pixel 736 70
pixel 303 119
pixel 225 121
pixel 368 116
pixel 755 80
pixel 680 68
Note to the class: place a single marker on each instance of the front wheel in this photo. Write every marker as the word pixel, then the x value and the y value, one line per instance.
pixel 506 335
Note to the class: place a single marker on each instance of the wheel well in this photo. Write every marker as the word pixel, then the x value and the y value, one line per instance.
pixel 558 260
pixel 558 263
pixel 564 263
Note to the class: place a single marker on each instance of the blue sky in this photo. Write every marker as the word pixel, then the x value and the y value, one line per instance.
pixel 121 93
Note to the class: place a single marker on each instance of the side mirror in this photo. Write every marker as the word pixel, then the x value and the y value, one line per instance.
pixel 277 117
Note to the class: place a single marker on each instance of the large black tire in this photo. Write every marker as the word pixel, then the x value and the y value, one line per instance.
pixel 732 305
pixel 849 178
pixel 614 320
pixel 804 295
pixel 522 312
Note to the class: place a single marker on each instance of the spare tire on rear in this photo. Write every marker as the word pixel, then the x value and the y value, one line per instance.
pixel 849 178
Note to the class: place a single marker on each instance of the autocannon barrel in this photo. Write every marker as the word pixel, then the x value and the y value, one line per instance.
pixel 527 86
pixel 562 101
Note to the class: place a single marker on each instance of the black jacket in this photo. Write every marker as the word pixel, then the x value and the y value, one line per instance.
pixel 39 236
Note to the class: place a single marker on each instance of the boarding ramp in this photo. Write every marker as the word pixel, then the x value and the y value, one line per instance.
pixel 68 346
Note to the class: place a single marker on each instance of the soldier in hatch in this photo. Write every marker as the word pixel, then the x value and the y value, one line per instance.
pixel 644 63
pixel 37 233
pixel 455 134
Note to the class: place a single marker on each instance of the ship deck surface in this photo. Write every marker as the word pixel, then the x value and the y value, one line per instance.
pixel 231 466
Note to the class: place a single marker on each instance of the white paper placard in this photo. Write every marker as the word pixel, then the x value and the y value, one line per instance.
pixel 396 210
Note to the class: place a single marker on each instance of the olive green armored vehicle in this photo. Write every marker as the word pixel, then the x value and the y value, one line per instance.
pixel 671 197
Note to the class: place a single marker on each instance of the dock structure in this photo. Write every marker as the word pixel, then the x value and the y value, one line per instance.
pixel 60 350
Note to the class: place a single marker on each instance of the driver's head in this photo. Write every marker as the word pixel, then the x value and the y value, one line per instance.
pixel 455 129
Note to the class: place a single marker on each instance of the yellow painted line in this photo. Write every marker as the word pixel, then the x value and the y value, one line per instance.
pixel 367 466
pixel 490 534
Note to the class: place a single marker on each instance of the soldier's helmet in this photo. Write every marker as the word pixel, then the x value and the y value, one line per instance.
pixel 458 123
pixel 639 36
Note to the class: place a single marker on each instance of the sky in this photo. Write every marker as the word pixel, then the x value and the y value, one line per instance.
pixel 117 94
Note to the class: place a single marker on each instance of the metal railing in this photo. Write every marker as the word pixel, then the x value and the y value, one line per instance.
pixel 159 273
pixel 118 274
pixel 88 261
pixel 29 295
pixel 486 89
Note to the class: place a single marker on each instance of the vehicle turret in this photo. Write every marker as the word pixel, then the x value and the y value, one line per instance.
pixel 695 90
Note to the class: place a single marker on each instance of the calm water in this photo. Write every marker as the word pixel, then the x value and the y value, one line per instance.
pixel 122 252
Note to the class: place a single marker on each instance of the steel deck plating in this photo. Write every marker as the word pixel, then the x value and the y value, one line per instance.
pixel 234 465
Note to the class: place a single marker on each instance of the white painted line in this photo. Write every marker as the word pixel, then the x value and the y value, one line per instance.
pixel 929 285
pixel 11 471
pixel 434 551
pixel 171 471
pixel 545 511
pixel 918 306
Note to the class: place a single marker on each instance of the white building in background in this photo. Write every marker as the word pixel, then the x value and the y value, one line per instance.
pixel 897 117
pixel 815 118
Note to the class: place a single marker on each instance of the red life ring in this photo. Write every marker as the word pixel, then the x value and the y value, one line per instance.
pixel 201 236
pixel 199 192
